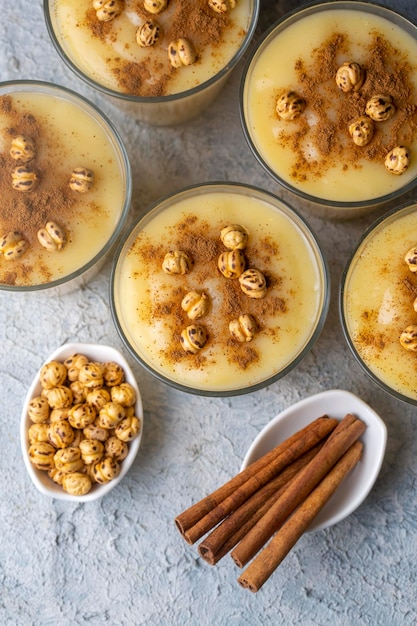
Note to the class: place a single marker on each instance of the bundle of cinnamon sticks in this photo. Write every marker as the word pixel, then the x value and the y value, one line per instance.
pixel 277 496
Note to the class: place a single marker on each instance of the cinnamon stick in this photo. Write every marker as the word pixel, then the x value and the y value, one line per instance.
pixel 346 433
pixel 204 515
pixel 343 424
pixel 266 562
pixel 232 529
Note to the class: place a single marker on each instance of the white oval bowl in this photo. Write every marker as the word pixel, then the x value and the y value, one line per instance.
pixel 334 403
pixel 40 479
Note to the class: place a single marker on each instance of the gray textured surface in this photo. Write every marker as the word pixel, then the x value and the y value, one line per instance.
pixel 120 561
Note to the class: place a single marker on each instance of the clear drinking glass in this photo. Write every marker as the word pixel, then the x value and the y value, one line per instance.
pixel 376 300
pixel 314 156
pixel 98 58
pixel 68 132
pixel 150 310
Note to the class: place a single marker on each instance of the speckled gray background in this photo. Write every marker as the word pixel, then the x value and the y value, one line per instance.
pixel 120 561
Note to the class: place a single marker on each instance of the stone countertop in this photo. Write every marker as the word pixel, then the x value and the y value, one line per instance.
pixel 120 560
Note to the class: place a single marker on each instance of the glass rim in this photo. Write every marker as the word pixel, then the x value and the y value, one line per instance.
pixel 299 220
pixel 151 99
pixel 92 109
pixel 368 232
pixel 282 22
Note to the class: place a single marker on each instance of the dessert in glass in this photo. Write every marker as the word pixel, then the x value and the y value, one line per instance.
pixel 65 187
pixel 378 302
pixel 162 61
pixel 219 289
pixel 335 123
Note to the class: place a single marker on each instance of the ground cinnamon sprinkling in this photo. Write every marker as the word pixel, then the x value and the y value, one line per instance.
pixel 192 19
pixel 202 242
pixel 374 336
pixel 28 212
pixel 371 339
pixel 388 71
pixel 246 357
pixel 52 200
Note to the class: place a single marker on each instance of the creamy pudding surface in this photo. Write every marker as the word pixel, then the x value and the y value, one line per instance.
pixel 148 301
pixel 315 153
pixel 109 54
pixel 64 138
pixel 379 293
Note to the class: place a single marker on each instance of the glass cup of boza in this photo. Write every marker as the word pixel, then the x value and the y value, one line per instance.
pixel 378 302
pixel 161 61
pixel 65 187
pixel 328 106
pixel 220 289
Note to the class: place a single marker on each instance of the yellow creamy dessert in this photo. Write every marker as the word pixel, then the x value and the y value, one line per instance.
pixel 378 302
pixel 220 289
pixel 311 117
pixel 63 185
pixel 153 48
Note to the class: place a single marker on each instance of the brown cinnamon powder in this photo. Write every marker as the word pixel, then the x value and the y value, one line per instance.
pixel 52 200
pixel 388 71
pixel 28 212
pixel 192 19
pixel 372 335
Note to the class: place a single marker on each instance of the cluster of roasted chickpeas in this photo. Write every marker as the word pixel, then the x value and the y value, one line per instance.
pixel 82 422
pixel 350 77
pixel 25 179
pixel 232 265
pixel 181 51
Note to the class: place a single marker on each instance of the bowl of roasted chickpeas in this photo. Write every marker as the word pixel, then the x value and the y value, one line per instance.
pixel 81 423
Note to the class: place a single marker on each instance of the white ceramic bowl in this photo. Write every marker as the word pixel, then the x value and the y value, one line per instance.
pixel 334 403
pixel 40 478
